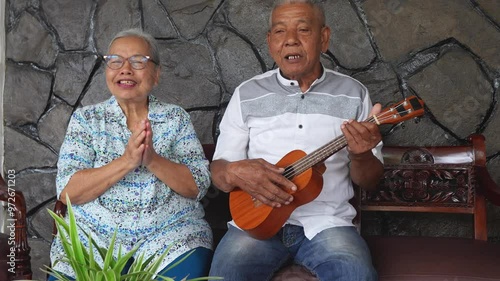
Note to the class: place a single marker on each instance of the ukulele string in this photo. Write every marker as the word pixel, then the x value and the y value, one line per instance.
pixel 315 157
pixel 337 144
pixel 327 150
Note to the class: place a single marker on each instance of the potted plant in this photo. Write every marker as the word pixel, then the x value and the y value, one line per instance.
pixel 86 268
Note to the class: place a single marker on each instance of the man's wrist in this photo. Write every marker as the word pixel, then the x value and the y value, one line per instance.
pixel 360 157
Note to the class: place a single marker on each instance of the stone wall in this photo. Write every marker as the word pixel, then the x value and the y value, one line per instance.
pixel 446 52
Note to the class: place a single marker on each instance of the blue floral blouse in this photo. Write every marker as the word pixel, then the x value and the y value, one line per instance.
pixel 140 207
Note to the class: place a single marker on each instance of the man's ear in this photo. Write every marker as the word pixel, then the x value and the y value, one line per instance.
pixel 325 38
pixel 268 39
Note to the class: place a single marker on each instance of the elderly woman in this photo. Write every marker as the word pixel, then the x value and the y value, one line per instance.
pixel 134 165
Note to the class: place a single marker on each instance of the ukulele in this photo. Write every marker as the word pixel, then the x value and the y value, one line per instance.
pixel 306 172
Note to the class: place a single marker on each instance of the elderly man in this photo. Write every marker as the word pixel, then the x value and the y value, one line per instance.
pixel 299 106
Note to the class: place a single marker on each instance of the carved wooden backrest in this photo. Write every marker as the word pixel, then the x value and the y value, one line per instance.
pixel 431 179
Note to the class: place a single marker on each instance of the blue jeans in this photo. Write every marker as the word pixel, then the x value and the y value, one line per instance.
pixel 196 265
pixel 335 254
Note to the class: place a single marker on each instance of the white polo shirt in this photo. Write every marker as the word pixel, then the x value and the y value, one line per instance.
pixel 269 116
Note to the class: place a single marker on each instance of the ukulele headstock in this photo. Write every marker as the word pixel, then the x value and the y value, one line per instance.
pixel 410 107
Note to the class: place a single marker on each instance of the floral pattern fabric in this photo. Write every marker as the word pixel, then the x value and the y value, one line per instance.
pixel 140 207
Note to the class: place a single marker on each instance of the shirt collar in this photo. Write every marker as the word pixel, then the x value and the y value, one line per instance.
pixel 116 113
pixel 293 85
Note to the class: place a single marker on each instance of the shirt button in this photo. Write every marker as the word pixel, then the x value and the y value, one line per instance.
pixel 291 83
pixel 303 96
pixel 300 126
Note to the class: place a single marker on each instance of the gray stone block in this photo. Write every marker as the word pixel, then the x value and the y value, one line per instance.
pixel 29 41
pixel 27 91
pixel 191 16
pixel 23 152
pixel 72 74
pixel 71 19
pixel 456 92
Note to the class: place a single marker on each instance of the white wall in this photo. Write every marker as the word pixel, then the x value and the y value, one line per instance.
pixel 2 76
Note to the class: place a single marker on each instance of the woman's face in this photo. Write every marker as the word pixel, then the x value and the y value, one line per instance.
pixel 126 83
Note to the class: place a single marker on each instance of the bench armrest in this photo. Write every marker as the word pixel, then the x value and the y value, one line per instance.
pixel 485 183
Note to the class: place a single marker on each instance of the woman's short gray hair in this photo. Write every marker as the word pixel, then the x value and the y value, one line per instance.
pixel 318 8
pixel 137 32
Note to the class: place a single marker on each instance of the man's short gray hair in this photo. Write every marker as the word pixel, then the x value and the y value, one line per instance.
pixel 318 8
pixel 137 32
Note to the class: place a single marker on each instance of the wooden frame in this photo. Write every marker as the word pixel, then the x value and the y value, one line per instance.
pixel 440 179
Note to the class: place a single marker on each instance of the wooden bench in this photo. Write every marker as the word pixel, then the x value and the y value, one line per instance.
pixel 446 179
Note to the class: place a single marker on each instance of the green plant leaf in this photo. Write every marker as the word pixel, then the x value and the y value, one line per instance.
pixel 78 256
pixel 99 276
pixel 110 275
pixel 68 249
pixel 93 265
pixel 59 221
pixel 108 259
pixel 179 261
pixel 153 267
pixel 123 259
pixel 86 268
pixel 56 274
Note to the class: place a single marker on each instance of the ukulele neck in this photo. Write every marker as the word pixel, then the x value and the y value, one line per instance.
pixel 319 155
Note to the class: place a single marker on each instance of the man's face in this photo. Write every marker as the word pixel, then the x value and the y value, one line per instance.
pixel 296 40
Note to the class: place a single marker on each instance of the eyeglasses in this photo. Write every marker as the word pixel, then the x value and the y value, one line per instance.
pixel 136 61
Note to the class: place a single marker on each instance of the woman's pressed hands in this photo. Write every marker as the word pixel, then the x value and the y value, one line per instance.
pixel 262 180
pixel 136 146
pixel 149 152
